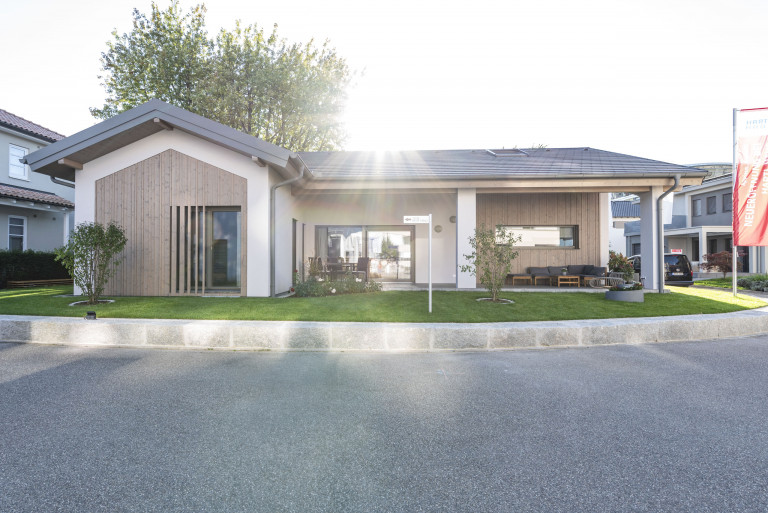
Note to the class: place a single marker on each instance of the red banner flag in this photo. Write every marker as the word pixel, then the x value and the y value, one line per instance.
pixel 750 185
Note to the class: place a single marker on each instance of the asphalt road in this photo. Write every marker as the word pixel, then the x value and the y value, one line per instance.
pixel 672 427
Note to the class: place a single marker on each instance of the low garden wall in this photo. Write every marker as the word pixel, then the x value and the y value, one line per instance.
pixel 349 336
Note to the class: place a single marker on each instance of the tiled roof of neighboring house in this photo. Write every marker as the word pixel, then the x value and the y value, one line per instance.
pixel 20 193
pixel 625 209
pixel 487 164
pixel 18 123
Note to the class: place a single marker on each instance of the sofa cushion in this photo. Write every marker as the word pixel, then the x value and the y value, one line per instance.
pixel 588 270
pixel 555 270
pixel 538 271
pixel 576 270
pixel 599 271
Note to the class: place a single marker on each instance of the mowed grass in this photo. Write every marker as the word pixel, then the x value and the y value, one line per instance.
pixel 718 283
pixel 393 306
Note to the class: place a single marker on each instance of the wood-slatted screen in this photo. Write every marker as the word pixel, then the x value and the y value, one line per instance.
pixel 547 209
pixel 155 201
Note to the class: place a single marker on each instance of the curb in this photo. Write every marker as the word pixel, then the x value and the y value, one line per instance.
pixel 376 337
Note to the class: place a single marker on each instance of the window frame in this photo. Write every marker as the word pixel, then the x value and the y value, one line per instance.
pixel 711 202
pixel 696 207
pixel 728 203
pixel 574 236
pixel 24 169
pixel 23 234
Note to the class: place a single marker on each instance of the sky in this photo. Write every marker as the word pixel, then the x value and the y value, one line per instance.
pixel 655 79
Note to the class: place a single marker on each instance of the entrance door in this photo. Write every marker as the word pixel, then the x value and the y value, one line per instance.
pixel 391 253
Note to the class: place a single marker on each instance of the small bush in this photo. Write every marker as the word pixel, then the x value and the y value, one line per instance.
pixel 29 265
pixel 349 284
pixel 618 263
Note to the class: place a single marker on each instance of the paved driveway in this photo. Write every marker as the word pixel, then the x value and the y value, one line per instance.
pixel 672 427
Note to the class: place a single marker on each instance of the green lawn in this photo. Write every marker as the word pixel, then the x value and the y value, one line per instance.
pixel 382 306
pixel 718 283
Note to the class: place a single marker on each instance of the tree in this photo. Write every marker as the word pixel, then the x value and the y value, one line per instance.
pixel 165 56
pixel 491 258
pixel 89 256
pixel 291 95
pixel 720 262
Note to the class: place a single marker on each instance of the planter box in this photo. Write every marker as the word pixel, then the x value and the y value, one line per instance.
pixel 630 296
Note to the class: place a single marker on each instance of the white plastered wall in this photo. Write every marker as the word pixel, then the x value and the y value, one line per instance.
pixel 257 260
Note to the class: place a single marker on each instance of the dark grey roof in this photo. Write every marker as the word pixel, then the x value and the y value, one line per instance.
pixel 138 123
pixel 22 125
pixel 483 164
pixel 21 193
pixel 625 209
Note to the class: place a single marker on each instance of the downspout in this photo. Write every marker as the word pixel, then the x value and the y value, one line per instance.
pixel 272 223
pixel 660 231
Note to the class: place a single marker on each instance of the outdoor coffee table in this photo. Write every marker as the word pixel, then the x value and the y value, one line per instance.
pixel 568 280
pixel 524 278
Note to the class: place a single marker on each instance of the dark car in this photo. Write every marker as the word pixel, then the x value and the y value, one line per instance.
pixel 677 269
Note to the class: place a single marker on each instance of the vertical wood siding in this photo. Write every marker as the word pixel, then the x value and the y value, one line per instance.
pixel 153 200
pixel 555 209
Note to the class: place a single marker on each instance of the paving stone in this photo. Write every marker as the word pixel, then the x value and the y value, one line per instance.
pixel 401 337
pixel 165 334
pixel 203 334
pixel 511 336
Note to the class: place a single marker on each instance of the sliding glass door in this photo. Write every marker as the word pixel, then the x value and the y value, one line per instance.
pixel 389 248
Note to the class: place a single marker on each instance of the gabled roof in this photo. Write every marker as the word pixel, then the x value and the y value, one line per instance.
pixel 21 193
pixel 138 123
pixel 488 164
pixel 25 126
pixel 625 209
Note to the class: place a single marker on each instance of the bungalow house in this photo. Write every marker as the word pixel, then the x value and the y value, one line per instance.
pixel 208 209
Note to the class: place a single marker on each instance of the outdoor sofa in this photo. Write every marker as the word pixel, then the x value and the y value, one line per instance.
pixel 546 275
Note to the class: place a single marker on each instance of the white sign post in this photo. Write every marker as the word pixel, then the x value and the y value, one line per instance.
pixel 424 220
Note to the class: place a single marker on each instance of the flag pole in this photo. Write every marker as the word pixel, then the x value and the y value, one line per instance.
pixel 734 261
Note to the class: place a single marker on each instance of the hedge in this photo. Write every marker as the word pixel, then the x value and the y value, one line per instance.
pixel 29 265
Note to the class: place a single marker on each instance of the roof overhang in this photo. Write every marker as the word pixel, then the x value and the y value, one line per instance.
pixel 61 159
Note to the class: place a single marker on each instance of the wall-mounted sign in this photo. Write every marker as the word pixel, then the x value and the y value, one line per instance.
pixel 416 219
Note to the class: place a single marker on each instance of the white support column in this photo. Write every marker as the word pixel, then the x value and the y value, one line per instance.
pixel 605 221
pixel 702 247
pixel 466 222
pixel 648 238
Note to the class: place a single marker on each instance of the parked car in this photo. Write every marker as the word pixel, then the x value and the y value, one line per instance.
pixel 677 269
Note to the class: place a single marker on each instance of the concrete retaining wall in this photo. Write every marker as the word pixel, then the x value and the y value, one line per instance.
pixel 349 336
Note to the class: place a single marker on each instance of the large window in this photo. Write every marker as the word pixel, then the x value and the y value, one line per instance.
pixel 544 236
pixel 15 168
pixel 17 233
pixel 389 248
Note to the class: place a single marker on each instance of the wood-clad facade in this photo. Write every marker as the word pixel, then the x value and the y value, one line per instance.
pixel 161 203
pixel 580 209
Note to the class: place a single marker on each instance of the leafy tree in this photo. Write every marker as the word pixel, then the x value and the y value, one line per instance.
pixel 89 256
pixel 491 258
pixel 165 56
pixel 720 262
pixel 288 94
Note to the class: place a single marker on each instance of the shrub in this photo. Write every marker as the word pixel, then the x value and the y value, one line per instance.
pixel 348 284
pixel 720 262
pixel 618 263
pixel 491 259
pixel 29 265
pixel 89 256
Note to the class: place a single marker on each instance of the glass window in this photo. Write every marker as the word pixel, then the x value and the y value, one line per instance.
pixel 544 236
pixel 712 205
pixel 15 168
pixel 696 207
pixel 17 233
pixel 727 202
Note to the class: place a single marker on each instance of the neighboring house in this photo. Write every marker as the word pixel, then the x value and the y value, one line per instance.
pixel 702 221
pixel 35 212
pixel 623 210
pixel 208 209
